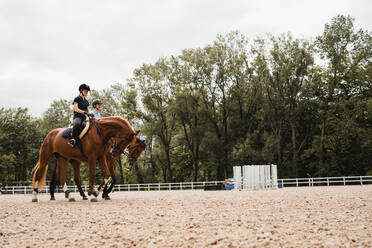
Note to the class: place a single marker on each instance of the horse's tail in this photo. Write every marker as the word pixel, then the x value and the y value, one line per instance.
pixel 41 167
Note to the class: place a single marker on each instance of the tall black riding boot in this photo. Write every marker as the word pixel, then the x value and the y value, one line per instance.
pixel 75 132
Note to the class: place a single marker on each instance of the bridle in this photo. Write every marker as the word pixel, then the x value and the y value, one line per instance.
pixel 126 153
pixel 105 140
pixel 115 148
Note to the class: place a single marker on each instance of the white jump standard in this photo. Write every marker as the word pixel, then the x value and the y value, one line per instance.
pixel 255 177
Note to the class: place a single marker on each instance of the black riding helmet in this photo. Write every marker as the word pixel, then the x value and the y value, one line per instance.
pixel 84 87
pixel 95 102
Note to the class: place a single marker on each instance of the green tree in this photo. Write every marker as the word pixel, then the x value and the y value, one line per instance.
pixel 154 83
pixel 58 115
pixel 20 140
pixel 346 79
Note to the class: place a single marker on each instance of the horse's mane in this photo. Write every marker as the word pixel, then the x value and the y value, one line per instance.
pixel 119 119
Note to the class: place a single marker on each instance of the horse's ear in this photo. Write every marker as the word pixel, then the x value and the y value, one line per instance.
pixel 137 132
pixel 131 136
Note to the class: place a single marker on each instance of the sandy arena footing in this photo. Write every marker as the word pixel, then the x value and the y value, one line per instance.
pixel 339 216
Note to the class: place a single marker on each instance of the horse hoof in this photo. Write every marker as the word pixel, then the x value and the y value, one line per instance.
pixel 71 199
pixel 93 199
pixel 34 200
pixel 93 193
pixel 52 198
pixel 85 198
pixel 107 198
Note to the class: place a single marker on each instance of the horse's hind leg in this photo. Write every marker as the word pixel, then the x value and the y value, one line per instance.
pixel 76 165
pixel 40 169
pixel 55 179
pixel 52 185
pixel 62 165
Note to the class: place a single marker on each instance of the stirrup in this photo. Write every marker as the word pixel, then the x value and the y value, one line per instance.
pixel 71 142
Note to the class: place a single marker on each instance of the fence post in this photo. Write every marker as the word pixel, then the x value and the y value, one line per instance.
pixel 327 181
pixel 344 181
pixel 282 183
pixel 309 182
pixel 361 180
pixel 297 182
pixel 159 186
pixel 192 185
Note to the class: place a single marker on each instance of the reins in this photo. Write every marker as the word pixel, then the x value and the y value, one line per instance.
pixel 100 133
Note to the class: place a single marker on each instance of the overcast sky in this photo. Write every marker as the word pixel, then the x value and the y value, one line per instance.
pixel 48 48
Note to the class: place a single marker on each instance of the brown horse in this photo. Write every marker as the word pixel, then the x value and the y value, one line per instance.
pixel 115 147
pixel 93 144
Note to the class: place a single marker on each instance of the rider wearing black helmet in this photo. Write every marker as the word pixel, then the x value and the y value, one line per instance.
pixel 80 110
pixel 97 105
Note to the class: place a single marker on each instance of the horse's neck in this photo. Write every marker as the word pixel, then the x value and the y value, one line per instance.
pixel 112 130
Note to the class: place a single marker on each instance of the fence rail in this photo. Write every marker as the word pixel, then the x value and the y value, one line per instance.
pixel 282 183
pixel 325 181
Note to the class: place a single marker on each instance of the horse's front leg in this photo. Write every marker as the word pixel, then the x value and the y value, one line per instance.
pixel 107 190
pixel 62 164
pixel 92 171
pixel 103 163
pixel 76 166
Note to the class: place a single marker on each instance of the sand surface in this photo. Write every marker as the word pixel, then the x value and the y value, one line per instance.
pixel 293 217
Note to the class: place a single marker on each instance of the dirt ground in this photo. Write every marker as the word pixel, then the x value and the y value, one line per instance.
pixel 336 216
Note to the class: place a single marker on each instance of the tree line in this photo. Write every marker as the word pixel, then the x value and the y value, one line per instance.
pixel 302 104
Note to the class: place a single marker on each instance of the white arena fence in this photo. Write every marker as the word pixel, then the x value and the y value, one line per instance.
pixel 282 183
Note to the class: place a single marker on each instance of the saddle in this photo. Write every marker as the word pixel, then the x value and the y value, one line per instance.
pixel 67 133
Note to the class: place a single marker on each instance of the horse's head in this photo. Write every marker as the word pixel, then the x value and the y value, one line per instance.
pixel 119 144
pixel 135 149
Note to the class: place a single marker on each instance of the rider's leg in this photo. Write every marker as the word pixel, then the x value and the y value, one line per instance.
pixel 75 131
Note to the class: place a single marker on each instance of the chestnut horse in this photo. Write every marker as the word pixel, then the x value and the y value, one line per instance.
pixel 112 153
pixel 93 145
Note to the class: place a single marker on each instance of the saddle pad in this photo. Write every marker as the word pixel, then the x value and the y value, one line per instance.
pixel 67 133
